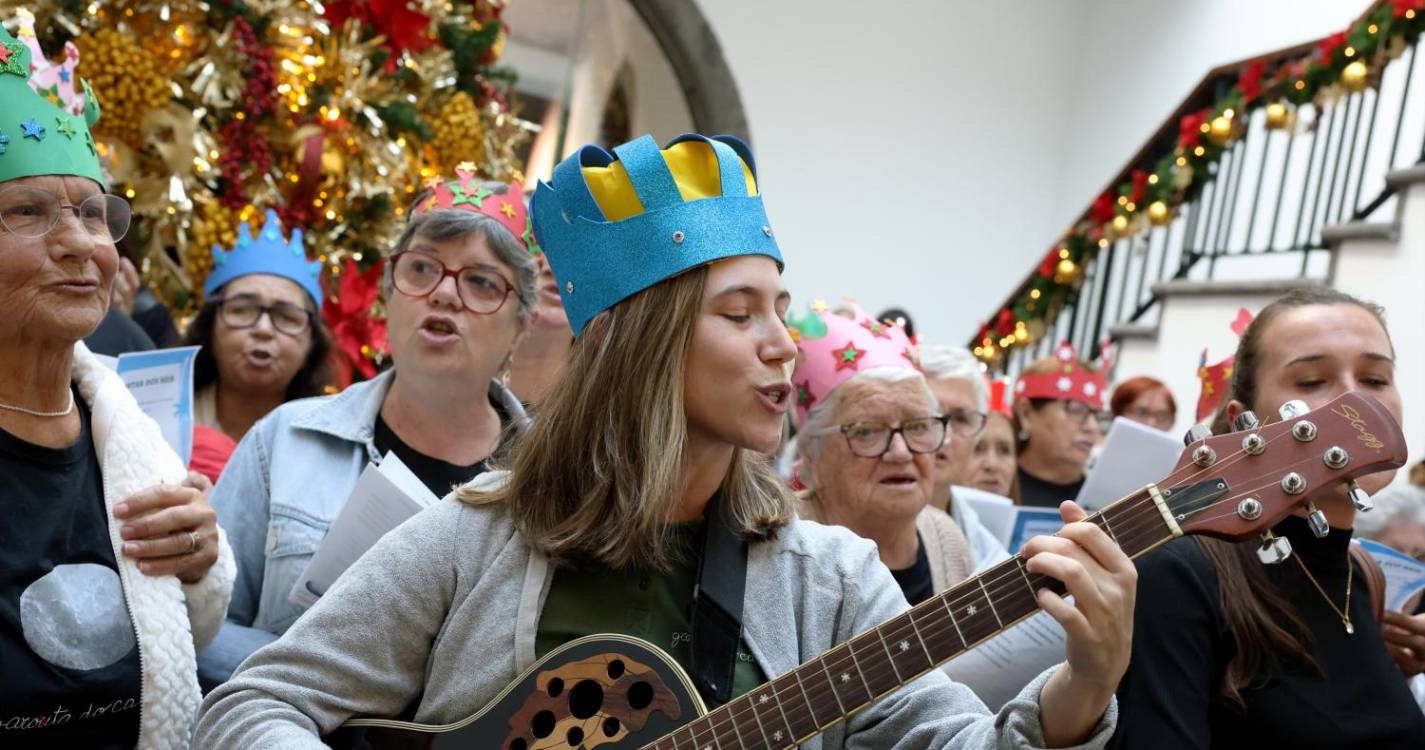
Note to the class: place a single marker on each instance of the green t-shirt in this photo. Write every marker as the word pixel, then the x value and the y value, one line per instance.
pixel 637 602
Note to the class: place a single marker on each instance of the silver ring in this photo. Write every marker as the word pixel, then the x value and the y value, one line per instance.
pixel 194 542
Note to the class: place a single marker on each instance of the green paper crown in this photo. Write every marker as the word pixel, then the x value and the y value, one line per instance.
pixel 36 136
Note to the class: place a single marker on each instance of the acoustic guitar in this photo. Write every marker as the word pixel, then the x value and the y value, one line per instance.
pixel 619 693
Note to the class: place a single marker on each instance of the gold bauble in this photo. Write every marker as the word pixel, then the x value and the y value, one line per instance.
pixel 1220 130
pixel 127 80
pixel 1119 224
pixel 459 134
pixel 1277 116
pixel 1356 76
pixel 1066 272
pixel 1035 328
pixel 1159 214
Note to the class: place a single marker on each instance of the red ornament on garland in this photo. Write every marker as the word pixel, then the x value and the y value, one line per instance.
pixel 356 334
pixel 1190 129
pixel 1401 7
pixel 1250 83
pixel 404 28
pixel 1328 46
pixel 1140 186
pixel 1103 209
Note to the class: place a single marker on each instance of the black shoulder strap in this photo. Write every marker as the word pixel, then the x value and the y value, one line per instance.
pixel 716 619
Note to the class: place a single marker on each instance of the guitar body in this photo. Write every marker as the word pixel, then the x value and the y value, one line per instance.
pixel 610 692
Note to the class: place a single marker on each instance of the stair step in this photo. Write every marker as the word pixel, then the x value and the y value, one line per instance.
pixel 1399 178
pixel 1360 230
pixel 1135 331
pixel 1191 288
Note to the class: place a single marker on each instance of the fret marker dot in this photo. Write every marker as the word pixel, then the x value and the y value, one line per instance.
pixel 845 677
pixel 904 646
pixel 763 698
pixel 970 610
pixel 777 735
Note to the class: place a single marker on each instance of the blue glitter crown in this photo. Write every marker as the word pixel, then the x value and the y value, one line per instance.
pixel 267 253
pixel 612 225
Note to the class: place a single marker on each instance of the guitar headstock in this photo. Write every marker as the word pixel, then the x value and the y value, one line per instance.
pixel 1235 485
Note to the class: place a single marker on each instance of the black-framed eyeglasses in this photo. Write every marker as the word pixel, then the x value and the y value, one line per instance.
pixel 966 423
pixel 481 289
pixel 1080 412
pixel 34 212
pixel 243 311
pixel 872 440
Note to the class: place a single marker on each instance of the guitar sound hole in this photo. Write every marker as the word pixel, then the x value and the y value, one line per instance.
pixel 640 694
pixel 519 744
pixel 585 699
pixel 610 726
pixel 543 724
pixel 556 686
pixel 616 669
pixel 575 737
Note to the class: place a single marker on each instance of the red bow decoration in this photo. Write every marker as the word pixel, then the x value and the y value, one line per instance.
pixel 349 319
pixel 1140 187
pixel 1329 45
pixel 403 28
pixel 1190 129
pixel 1250 84
pixel 1401 6
pixel 1103 209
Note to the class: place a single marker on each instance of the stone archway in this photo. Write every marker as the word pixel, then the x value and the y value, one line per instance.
pixel 696 57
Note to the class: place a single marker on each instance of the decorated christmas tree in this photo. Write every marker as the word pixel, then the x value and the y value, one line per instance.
pixel 335 114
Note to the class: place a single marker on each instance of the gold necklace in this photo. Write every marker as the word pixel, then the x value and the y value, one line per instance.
pixel 1346 615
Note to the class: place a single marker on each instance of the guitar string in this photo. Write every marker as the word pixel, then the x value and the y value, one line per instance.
pixel 936 627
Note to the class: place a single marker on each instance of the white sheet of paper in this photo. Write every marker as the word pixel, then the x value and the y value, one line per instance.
pixel 1133 455
pixel 1404 575
pixel 385 495
pixel 1000 667
pixel 162 382
pixel 1013 525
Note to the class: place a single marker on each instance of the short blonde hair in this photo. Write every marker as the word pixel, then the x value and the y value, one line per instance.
pixel 597 475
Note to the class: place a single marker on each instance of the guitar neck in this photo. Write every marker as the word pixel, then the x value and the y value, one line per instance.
pixel 856 673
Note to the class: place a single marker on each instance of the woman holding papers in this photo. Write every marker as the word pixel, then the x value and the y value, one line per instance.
pixel 1231 652
pixel 868 437
pixel 1058 413
pixel 460 296
pixel 112 567
pixel 260 328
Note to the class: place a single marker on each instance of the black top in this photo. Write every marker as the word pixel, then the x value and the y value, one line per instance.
pixel 117 334
pixel 437 475
pixel 1181 649
pixel 69 660
pixel 915 581
pixel 1039 493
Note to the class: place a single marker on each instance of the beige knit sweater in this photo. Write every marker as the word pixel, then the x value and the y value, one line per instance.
pixel 945 545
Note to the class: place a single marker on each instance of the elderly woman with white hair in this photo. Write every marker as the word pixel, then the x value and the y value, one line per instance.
pixel 963 396
pixel 460 297
pixel 869 431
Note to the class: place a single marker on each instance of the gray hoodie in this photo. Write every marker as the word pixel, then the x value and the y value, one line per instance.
pixel 446 607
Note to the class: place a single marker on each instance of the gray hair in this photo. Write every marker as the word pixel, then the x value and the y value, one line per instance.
pixel 820 419
pixel 448 224
pixel 943 362
pixel 1398 502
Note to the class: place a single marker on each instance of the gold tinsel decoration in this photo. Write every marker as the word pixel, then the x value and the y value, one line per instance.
pixel 127 80
pixel 214 225
pixel 459 134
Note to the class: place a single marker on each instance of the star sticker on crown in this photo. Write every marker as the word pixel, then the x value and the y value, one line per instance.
pixel 877 329
pixel 507 209
pixel 432 183
pixel 465 170
pixel 528 237
pixel 805 398
pixel 33 129
pixel 848 357
pixel 89 141
pixel 10 59
pixel 65 127
pixel 475 195
pixel 819 306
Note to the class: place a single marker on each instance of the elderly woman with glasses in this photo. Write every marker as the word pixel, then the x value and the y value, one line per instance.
pixel 1058 417
pixel 869 431
pixel 260 329
pixel 460 296
pixel 112 566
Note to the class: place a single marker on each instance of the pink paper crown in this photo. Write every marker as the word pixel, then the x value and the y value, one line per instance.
pixel 835 349
pixel 53 82
pixel 1069 381
pixel 465 193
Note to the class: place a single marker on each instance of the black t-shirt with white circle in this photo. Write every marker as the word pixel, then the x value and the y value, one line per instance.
pixel 69 660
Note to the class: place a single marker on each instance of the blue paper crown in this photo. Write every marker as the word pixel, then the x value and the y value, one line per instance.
pixel 598 263
pixel 267 253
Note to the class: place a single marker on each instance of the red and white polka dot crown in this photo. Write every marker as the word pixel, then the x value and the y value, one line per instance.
pixel 1070 381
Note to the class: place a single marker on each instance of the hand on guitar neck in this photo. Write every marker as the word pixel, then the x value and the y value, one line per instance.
pixel 1099 623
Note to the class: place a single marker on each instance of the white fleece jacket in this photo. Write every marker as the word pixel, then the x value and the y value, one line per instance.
pixel 172 620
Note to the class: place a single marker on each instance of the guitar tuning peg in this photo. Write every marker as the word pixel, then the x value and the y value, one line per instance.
pixel 1274 549
pixel 1246 421
pixel 1360 498
pixel 1293 409
pixel 1197 433
pixel 1317 520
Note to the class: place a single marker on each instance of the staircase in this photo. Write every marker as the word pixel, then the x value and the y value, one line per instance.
pixel 1335 198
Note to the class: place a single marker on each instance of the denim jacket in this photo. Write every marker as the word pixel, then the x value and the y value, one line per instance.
pixel 281 490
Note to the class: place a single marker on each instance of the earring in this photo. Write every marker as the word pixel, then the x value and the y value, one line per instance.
pixel 1023 434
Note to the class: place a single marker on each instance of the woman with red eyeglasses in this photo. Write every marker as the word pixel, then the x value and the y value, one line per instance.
pixel 460 296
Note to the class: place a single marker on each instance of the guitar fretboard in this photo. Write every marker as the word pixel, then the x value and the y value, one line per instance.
pixel 851 676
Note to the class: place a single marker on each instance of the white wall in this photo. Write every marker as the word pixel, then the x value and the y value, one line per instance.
pixel 927 152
